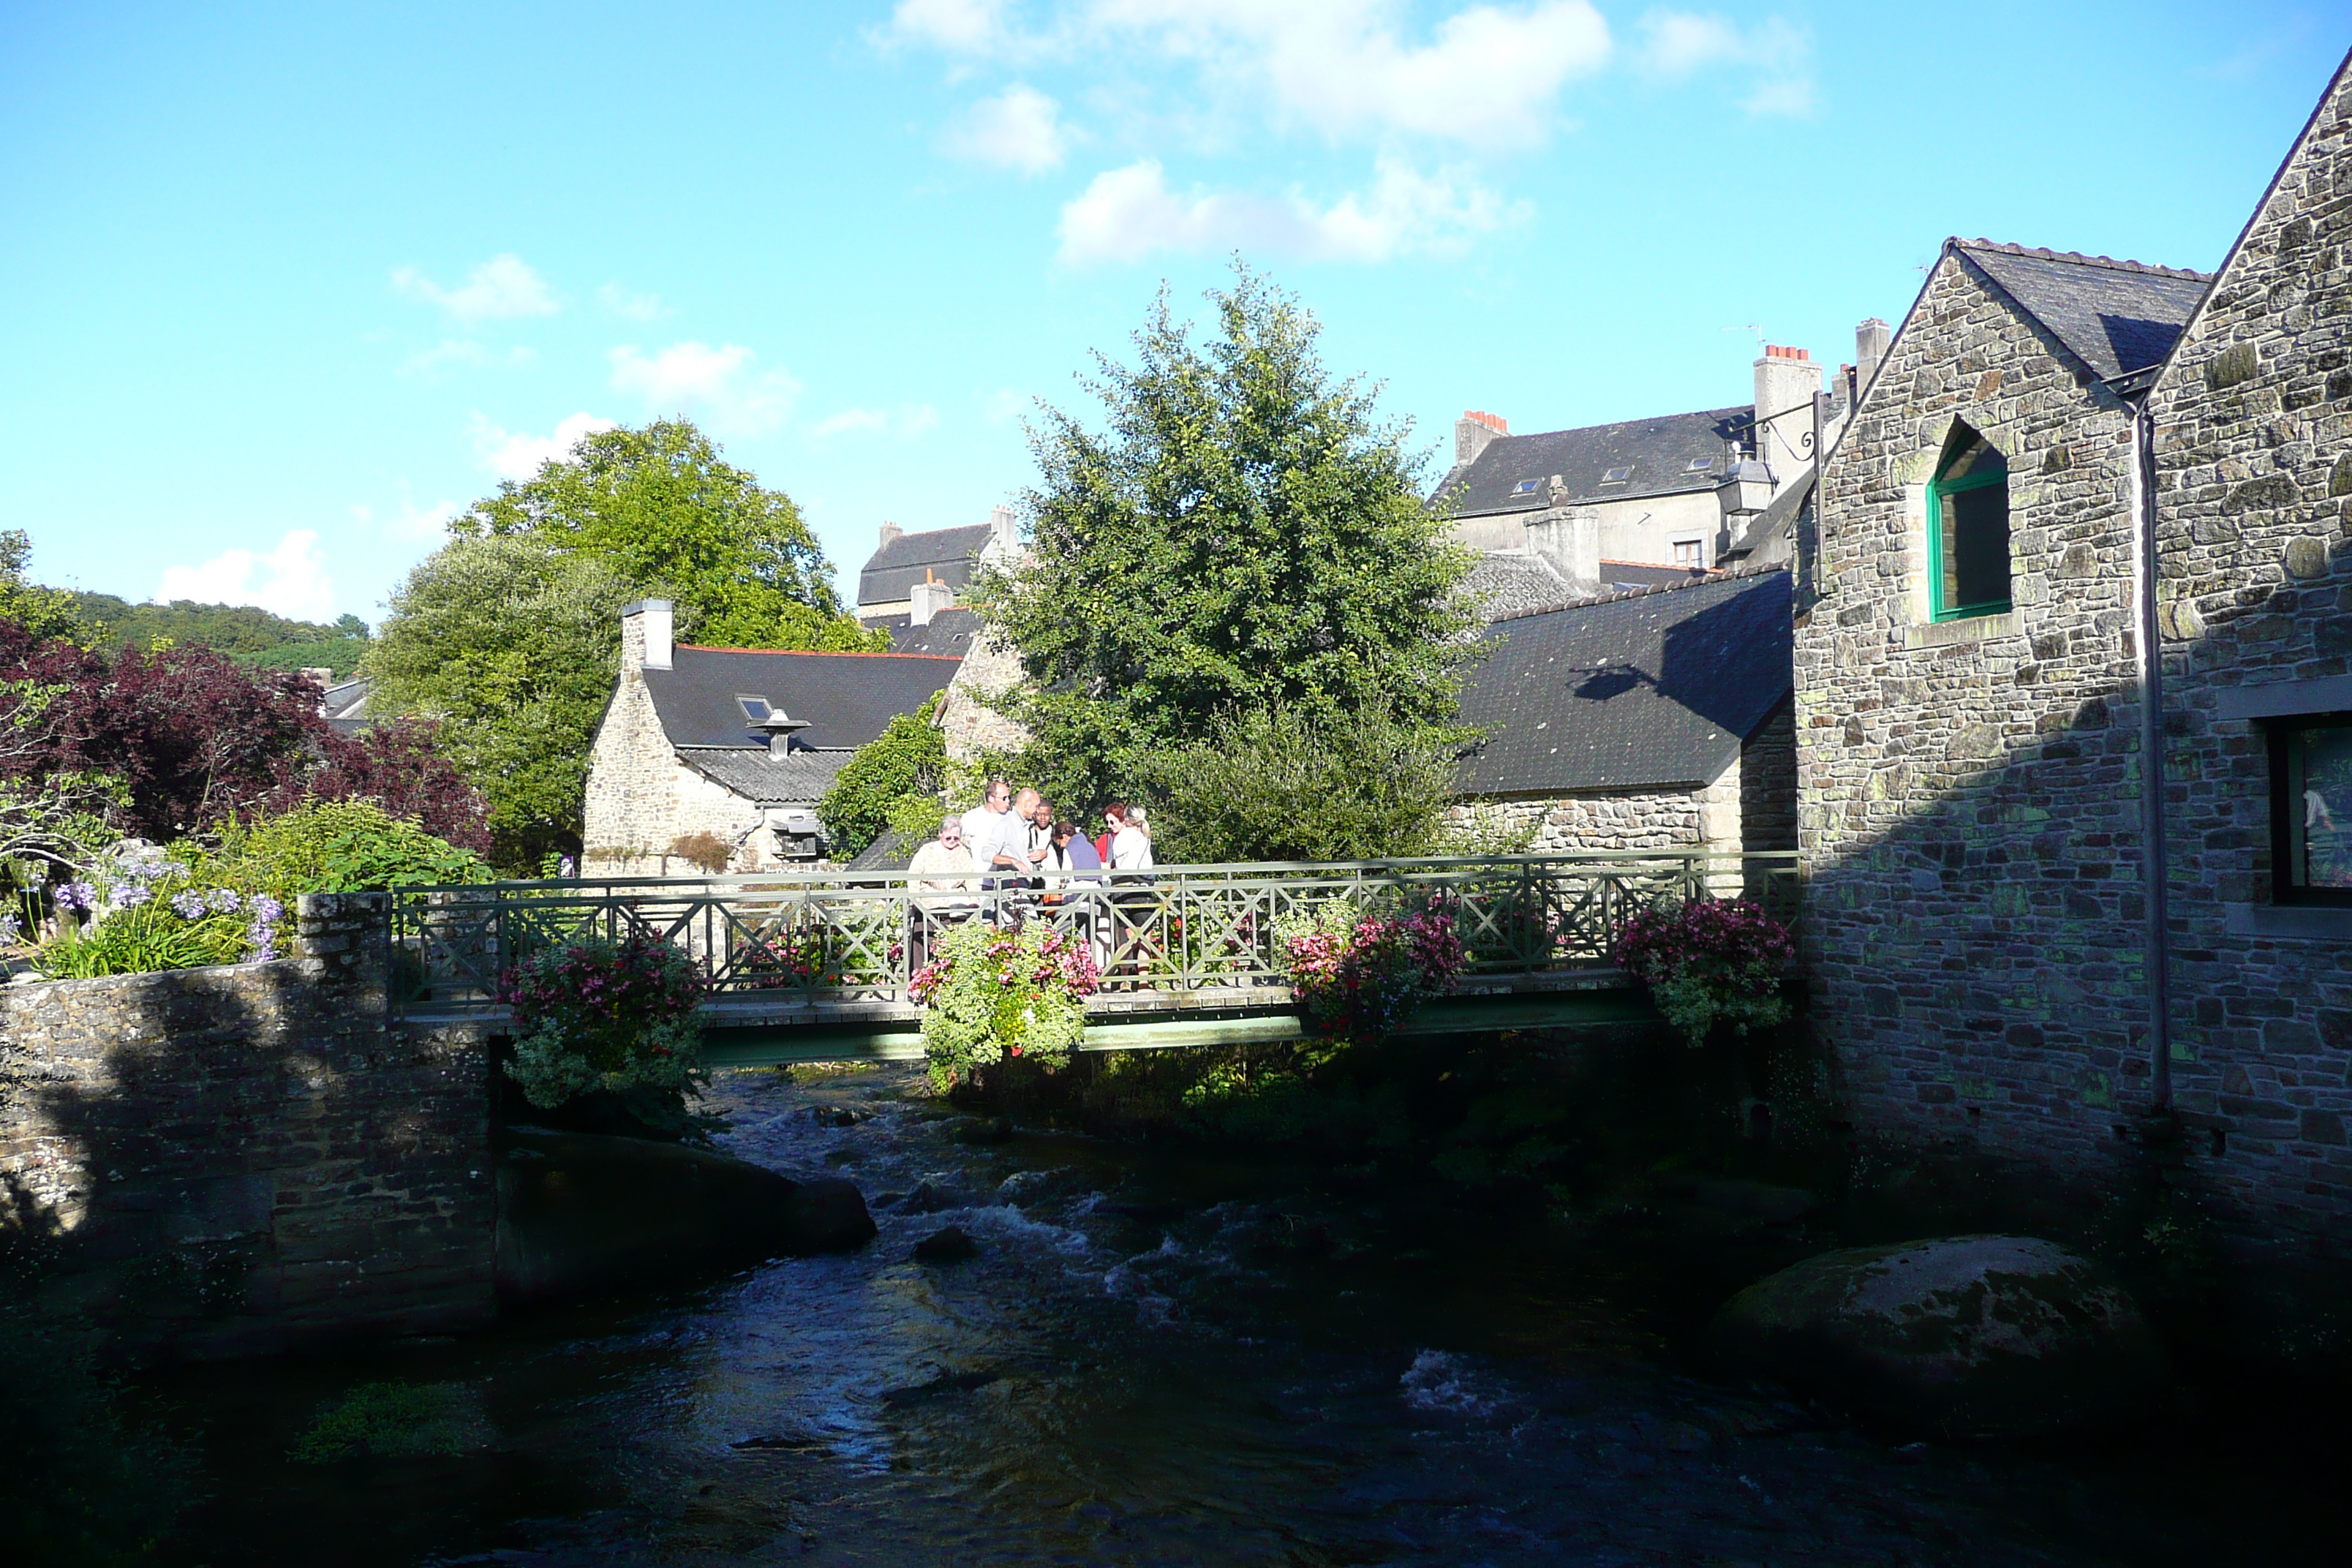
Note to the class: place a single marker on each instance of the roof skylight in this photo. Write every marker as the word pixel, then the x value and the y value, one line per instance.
pixel 1524 487
pixel 1700 465
pixel 1616 475
pixel 755 709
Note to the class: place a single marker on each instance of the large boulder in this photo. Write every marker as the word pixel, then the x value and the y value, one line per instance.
pixel 578 1213
pixel 1965 1337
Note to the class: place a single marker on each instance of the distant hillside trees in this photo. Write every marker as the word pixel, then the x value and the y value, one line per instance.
pixel 1234 534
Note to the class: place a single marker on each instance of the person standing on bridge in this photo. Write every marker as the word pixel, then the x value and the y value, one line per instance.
pixel 941 880
pixel 991 832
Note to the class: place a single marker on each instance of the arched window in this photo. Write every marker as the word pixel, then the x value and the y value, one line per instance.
pixel 1967 528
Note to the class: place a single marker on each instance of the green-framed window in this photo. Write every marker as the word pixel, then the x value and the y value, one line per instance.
pixel 1967 529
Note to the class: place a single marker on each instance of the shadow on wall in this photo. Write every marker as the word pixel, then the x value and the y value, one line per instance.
pixel 234 1161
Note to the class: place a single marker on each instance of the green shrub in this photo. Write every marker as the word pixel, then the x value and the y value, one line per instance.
pixel 397 1420
pixel 335 847
pixel 1280 786
pixel 991 994
pixel 143 940
pixel 909 759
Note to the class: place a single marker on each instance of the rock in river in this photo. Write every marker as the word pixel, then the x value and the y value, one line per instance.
pixel 1970 1336
pixel 580 1213
pixel 950 1246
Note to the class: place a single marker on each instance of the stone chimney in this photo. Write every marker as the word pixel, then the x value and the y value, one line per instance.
pixel 1004 534
pixel 1472 431
pixel 1870 341
pixel 928 598
pixel 1786 381
pixel 646 636
pixel 1570 541
pixel 891 532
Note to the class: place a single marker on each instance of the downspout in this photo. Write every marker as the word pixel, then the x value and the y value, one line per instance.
pixel 2153 869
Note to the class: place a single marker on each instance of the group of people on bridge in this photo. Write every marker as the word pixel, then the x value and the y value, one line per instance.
pixel 1012 851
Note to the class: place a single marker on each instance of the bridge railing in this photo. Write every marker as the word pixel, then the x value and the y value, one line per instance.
pixel 1210 931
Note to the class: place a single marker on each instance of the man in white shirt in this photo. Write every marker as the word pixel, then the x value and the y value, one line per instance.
pixel 994 832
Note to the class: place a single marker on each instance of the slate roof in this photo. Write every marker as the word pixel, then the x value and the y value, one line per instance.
pixel 891 572
pixel 345 704
pixel 891 852
pixel 764 779
pixel 1518 582
pixel 1648 689
pixel 846 697
pixel 1658 452
pixel 949 632
pixel 2116 316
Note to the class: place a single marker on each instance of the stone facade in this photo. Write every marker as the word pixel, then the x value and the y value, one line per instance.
pixel 1967 789
pixel 641 798
pixel 2253 462
pixel 243 1160
pixel 975 730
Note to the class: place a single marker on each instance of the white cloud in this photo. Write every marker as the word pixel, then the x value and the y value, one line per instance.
pixel 1776 54
pixel 634 306
pixel 517 455
pixel 1127 214
pixel 909 421
pixel 290 580
pixel 955 27
pixel 1487 75
pixel 719 383
pixel 412 523
pixel 501 286
pixel 1017 129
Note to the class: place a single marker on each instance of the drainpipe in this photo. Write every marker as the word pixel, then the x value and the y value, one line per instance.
pixel 2151 783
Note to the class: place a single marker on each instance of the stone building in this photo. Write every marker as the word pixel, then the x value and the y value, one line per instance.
pixel 2058 452
pixel 737 744
pixel 912 576
pixel 1657 719
pixel 1679 493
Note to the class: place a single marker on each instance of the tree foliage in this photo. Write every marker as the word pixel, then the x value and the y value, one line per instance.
pixel 42 612
pixel 193 739
pixel 658 507
pixel 225 628
pixel 1241 535
pixel 1278 784
pixel 510 645
pixel 909 757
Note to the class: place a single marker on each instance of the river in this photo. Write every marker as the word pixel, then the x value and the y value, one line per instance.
pixel 1162 1356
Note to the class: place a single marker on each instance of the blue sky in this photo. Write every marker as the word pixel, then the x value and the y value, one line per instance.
pixel 285 286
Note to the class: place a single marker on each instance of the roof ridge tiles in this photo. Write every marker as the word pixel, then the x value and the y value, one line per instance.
pixel 813 652
pixel 2041 253
pixel 1651 591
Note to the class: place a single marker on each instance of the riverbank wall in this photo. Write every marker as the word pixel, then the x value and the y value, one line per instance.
pixel 249 1159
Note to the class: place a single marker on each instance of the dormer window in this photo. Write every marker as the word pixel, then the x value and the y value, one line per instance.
pixel 1616 475
pixel 1967 529
pixel 755 709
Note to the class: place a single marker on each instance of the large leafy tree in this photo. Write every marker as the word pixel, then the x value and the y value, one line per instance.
pixel 658 506
pixel 1240 533
pixel 510 645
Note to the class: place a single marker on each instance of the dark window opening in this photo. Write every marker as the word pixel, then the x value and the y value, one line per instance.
pixel 1967 528
pixel 2311 809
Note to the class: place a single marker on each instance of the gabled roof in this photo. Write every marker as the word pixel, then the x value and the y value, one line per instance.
pixel 1508 583
pixel 763 779
pixel 1656 453
pixel 948 553
pixel 949 632
pixel 1647 691
pixel 2116 316
pixel 847 698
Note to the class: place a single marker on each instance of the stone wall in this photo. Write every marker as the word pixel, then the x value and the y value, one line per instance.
pixel 1968 798
pixel 241 1159
pixel 2254 430
pixel 1768 784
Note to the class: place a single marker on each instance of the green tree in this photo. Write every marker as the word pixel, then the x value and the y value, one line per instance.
pixel 44 612
pixel 909 757
pixel 512 644
pixel 1242 535
pixel 657 505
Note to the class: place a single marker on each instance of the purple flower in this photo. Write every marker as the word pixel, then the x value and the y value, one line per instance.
pixel 224 900
pixel 10 927
pixel 77 896
pixel 188 905
pixel 266 911
pixel 128 895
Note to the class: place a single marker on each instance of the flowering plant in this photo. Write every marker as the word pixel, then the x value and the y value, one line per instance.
pixel 989 995
pixel 1358 973
pixel 603 1014
pixel 137 911
pixel 1710 961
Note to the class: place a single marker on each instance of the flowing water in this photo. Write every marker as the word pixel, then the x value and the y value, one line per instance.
pixel 1155 1358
